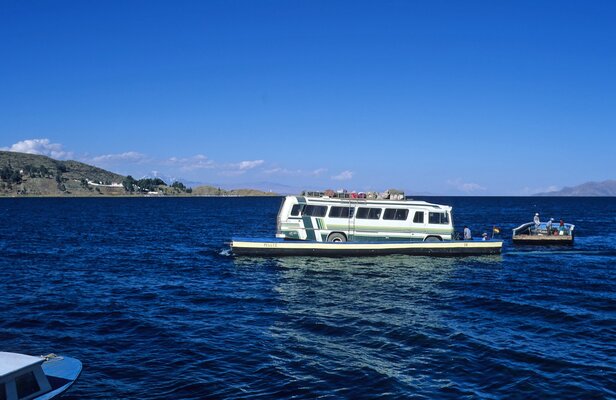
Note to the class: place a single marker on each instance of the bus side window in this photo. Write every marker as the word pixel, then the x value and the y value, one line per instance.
pixel 297 210
pixel 368 213
pixel 397 214
pixel 341 212
pixel 419 217
pixel 315 211
pixel 438 218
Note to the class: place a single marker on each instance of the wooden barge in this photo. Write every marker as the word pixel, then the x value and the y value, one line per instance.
pixel 280 247
pixel 529 233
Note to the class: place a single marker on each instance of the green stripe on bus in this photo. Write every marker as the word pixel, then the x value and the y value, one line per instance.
pixel 391 229
pixel 309 228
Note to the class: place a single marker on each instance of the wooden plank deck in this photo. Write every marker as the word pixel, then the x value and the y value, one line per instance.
pixel 542 239
pixel 279 247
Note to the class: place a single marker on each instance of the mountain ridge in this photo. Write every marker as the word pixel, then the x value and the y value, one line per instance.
pixel 605 188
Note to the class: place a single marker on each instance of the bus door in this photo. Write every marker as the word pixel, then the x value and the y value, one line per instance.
pixel 418 225
pixel 351 222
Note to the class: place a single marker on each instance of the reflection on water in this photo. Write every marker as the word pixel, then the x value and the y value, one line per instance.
pixel 362 318
pixel 157 308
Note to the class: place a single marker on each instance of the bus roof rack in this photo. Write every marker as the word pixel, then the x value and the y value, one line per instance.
pixel 391 194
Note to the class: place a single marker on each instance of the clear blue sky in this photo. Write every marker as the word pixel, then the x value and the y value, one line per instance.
pixel 446 97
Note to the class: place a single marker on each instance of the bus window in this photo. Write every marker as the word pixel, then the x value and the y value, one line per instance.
pixel 341 212
pixel 397 214
pixel 315 211
pixel 438 218
pixel 368 213
pixel 297 210
pixel 419 217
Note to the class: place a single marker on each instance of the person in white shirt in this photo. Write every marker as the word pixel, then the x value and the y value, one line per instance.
pixel 467 233
pixel 536 221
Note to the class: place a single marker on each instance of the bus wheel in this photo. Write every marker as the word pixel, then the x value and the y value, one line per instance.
pixel 336 237
pixel 433 239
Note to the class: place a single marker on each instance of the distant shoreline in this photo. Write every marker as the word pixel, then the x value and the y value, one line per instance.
pixel 125 196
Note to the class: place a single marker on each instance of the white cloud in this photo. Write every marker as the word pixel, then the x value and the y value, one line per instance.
pixel 200 161
pixel 466 187
pixel 343 176
pixel 40 146
pixel 246 165
pixel 282 171
pixel 130 156
pixel 318 171
pixel 294 172
pixel 240 168
pixel 191 163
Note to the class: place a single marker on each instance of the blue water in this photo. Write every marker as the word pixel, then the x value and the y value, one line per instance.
pixel 144 292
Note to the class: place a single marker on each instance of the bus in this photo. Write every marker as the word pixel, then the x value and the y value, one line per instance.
pixel 331 219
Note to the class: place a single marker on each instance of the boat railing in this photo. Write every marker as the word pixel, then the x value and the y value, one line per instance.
pixel 529 228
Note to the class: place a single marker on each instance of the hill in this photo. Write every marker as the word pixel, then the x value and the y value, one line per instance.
pixel 215 191
pixel 605 188
pixel 32 174
pixel 23 174
pixel 69 169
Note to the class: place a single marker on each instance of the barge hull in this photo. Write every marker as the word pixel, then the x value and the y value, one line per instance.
pixel 281 248
pixel 543 240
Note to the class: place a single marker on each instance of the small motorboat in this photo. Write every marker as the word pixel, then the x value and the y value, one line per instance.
pixel 529 233
pixel 24 377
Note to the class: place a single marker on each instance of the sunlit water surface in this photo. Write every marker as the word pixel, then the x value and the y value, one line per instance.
pixel 145 293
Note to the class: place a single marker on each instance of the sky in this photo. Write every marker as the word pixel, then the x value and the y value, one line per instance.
pixel 432 97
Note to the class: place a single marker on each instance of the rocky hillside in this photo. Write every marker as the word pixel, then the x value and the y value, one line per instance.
pixel 24 174
pixel 605 188
pixel 31 174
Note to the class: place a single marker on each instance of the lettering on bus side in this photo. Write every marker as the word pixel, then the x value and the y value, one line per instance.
pixel 291 234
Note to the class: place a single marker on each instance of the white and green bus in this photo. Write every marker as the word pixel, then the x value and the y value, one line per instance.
pixel 331 219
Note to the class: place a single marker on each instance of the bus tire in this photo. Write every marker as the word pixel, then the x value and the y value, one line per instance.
pixel 432 239
pixel 336 237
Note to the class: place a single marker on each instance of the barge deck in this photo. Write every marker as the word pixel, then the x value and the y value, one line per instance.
pixel 280 247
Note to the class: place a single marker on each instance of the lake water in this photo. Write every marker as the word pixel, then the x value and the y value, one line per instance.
pixel 144 292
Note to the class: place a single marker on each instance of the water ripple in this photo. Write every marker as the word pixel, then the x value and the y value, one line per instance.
pixel 147 295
